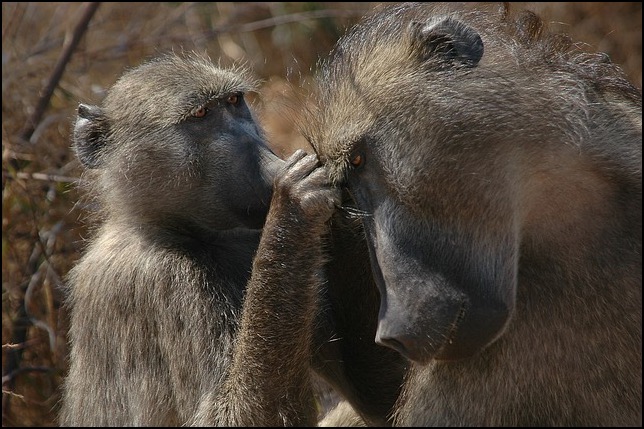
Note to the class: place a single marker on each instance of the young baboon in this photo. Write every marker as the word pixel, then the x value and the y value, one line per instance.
pixel 499 173
pixel 181 310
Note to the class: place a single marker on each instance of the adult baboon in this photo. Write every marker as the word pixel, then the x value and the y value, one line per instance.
pixel 498 170
pixel 159 334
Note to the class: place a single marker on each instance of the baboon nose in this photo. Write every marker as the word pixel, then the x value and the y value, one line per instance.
pixel 407 345
pixel 391 343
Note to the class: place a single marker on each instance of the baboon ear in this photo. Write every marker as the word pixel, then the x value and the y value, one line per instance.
pixel 447 41
pixel 90 135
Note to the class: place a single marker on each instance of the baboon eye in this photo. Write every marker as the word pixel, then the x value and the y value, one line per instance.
pixel 200 112
pixel 357 160
pixel 233 99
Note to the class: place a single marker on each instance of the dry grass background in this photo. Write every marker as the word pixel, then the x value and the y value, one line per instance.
pixel 43 229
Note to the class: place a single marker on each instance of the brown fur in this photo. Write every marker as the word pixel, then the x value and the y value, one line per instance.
pixel 182 310
pixel 501 192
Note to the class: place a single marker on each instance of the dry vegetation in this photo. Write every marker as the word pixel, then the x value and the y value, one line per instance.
pixel 46 73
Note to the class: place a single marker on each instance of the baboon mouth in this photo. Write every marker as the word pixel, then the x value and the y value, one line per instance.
pixel 443 352
pixel 451 334
pixel 422 349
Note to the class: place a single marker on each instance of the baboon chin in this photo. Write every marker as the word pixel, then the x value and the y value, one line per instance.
pixel 496 169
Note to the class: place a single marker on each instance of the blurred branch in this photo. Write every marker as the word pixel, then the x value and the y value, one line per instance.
pixel 14 21
pixel 10 376
pixel 24 319
pixel 49 236
pixel 284 19
pixel 18 335
pixel 57 73
pixel 47 177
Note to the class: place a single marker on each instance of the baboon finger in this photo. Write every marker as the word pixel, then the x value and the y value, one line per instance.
pixel 301 168
pixel 321 203
pixel 294 158
pixel 319 177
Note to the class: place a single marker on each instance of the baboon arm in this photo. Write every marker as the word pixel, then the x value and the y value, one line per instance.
pixel 269 381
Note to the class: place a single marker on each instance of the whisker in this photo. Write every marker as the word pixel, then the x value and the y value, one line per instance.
pixel 354 212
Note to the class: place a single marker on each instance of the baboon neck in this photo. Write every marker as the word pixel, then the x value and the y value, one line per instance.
pixel 183 234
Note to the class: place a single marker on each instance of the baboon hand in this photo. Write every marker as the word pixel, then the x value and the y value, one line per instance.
pixel 303 188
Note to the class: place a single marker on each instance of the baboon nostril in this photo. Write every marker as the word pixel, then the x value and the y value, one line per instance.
pixel 392 343
pixel 406 345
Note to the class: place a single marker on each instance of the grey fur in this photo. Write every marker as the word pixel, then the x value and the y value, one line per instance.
pixel 163 327
pixel 501 192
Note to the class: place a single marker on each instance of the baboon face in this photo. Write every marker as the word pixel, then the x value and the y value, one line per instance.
pixel 396 131
pixel 175 144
